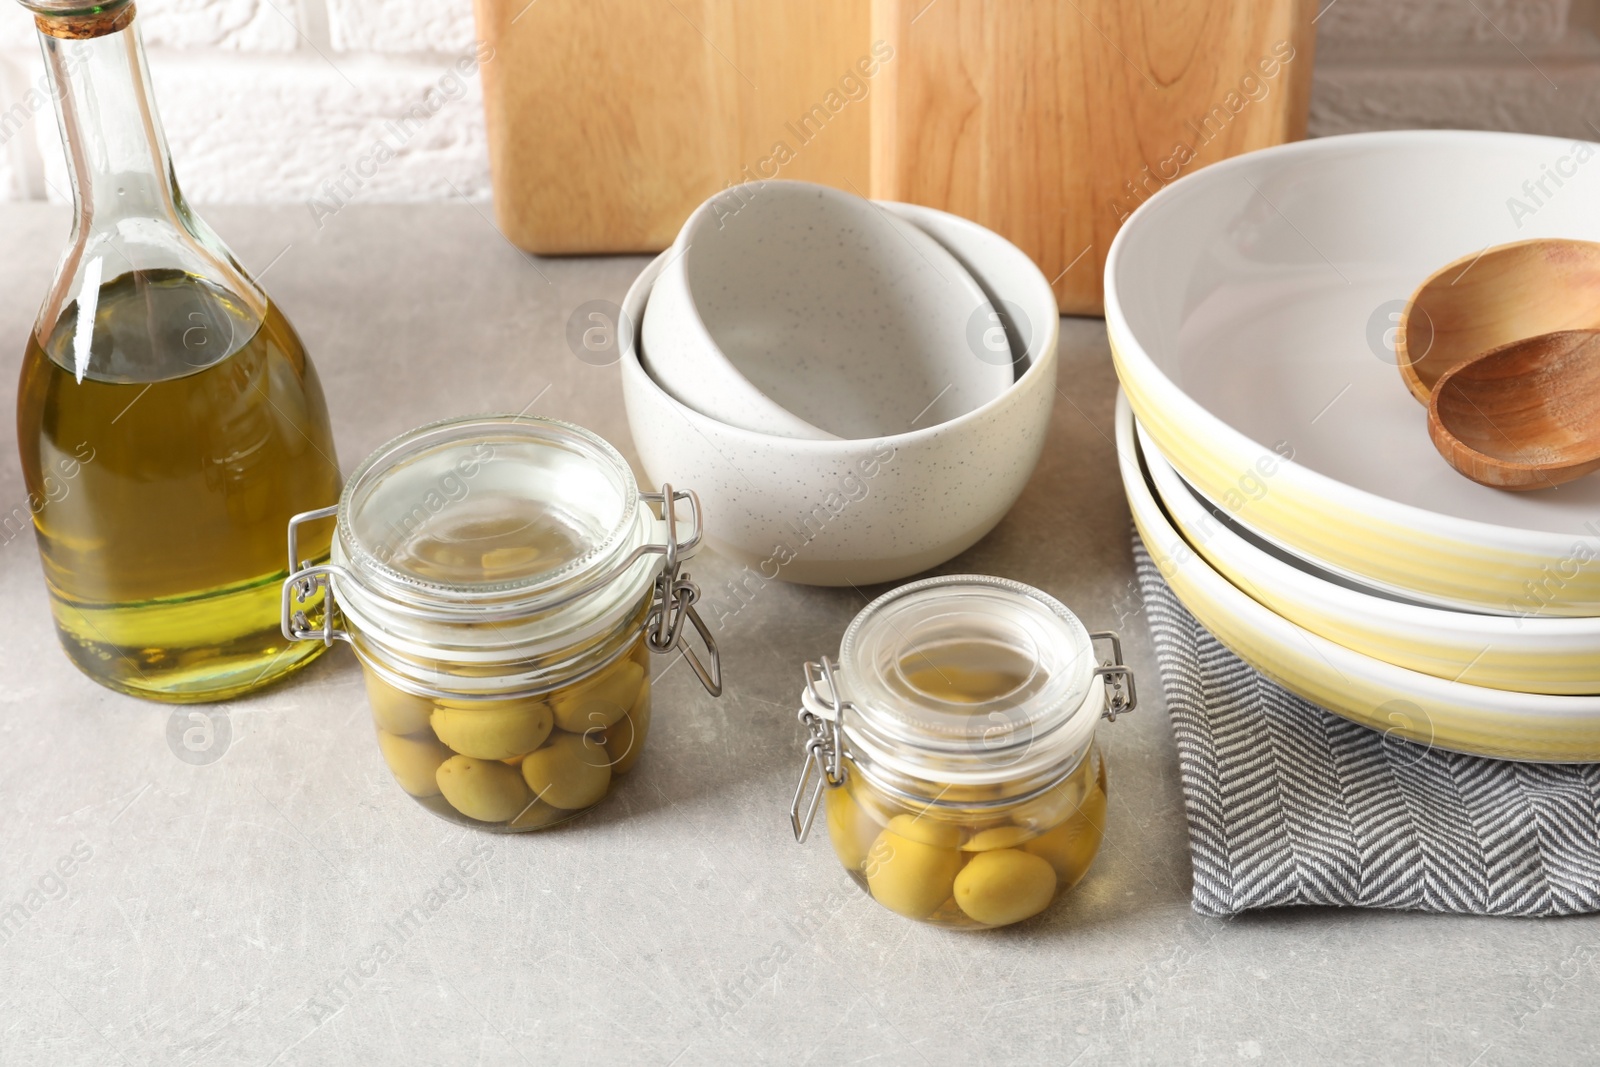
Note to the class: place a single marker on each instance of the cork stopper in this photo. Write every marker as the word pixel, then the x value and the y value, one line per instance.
pixel 82 26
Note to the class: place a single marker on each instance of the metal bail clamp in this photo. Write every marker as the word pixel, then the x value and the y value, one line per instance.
pixel 1121 696
pixel 676 594
pixel 824 759
pixel 300 589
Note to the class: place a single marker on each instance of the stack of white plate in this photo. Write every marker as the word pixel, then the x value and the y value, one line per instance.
pixel 1281 474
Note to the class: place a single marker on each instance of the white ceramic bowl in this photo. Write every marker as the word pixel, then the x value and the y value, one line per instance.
pixel 796 309
pixel 695 372
pixel 1250 308
pixel 1533 655
pixel 858 512
pixel 1418 707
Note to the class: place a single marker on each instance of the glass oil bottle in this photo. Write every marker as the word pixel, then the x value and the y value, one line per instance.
pixel 168 419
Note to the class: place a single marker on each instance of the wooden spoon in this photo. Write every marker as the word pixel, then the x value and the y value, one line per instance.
pixel 1522 416
pixel 1492 298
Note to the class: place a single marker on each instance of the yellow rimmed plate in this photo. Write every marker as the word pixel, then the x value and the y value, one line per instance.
pixel 1396 700
pixel 1533 655
pixel 1251 308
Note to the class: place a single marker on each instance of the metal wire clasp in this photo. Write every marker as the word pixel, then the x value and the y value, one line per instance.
pixel 1121 695
pixel 301 587
pixel 824 758
pixel 676 594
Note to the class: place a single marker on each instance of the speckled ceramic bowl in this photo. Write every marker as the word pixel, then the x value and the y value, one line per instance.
pixel 874 510
pixel 798 310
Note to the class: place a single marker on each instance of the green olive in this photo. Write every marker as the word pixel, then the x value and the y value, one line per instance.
pixel 414 762
pixel 1069 848
pixel 1081 796
pixel 486 790
pixel 995 837
pixel 494 731
pixel 908 876
pixel 926 829
pixel 567 772
pixel 850 829
pixel 624 739
pixel 537 815
pixel 600 701
pixel 1005 886
pixel 394 711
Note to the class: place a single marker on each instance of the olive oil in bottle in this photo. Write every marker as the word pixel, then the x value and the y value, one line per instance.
pixel 168 419
pixel 164 552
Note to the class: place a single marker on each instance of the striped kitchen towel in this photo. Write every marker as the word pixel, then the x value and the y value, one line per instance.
pixel 1290 804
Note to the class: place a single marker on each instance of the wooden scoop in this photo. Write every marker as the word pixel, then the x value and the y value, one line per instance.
pixel 1493 298
pixel 1522 416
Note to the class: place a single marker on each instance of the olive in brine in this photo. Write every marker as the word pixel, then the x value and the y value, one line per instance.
pixel 537 815
pixel 414 762
pixel 624 739
pixel 394 711
pixel 995 837
pixel 850 829
pixel 600 701
pixel 909 876
pixel 923 828
pixel 1069 848
pixel 567 773
pixel 497 731
pixel 1005 885
pixel 486 790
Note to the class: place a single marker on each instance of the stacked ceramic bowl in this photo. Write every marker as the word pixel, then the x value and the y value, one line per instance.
pixel 857 390
pixel 1275 464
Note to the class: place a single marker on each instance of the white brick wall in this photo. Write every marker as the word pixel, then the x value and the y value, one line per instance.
pixel 401 25
pixel 273 100
pixel 268 100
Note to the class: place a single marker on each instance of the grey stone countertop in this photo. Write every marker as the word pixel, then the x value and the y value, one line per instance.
pixel 232 912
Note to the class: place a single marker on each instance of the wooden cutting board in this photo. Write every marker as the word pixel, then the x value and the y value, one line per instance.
pixel 1045 120
pixel 611 120
pixel 1049 121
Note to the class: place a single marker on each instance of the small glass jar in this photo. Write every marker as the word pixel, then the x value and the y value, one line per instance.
pixel 953 748
pixel 503 582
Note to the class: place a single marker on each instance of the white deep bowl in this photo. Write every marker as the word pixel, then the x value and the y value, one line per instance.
pixel 800 310
pixel 680 355
pixel 1251 306
pixel 1530 655
pixel 857 512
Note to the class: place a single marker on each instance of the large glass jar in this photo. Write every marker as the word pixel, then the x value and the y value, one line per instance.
pixel 953 748
pixel 503 582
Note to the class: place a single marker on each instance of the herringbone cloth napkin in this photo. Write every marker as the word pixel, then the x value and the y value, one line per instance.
pixel 1291 804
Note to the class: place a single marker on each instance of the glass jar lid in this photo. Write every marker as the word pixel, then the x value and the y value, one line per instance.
pixel 494 556
pixel 489 555
pixel 950 663
pixel 482 510
pixel 963 680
